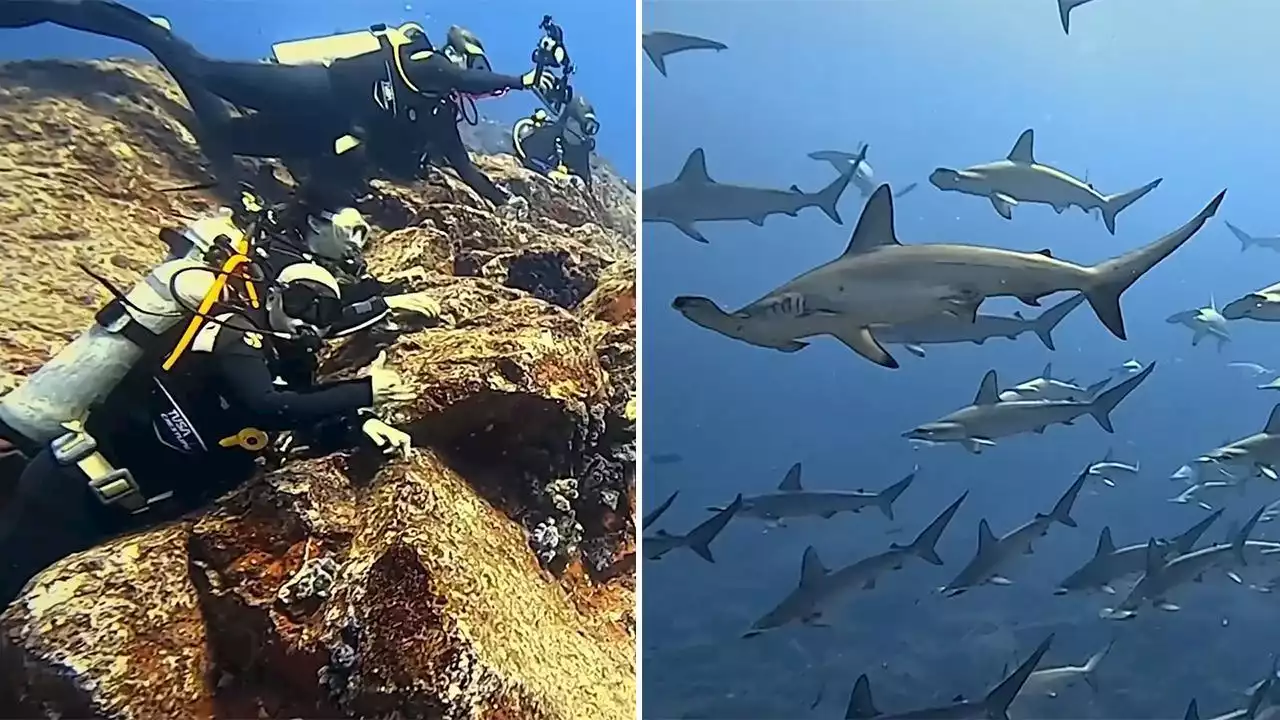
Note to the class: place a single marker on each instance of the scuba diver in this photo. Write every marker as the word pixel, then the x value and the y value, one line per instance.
pixel 552 147
pixel 176 431
pixel 332 106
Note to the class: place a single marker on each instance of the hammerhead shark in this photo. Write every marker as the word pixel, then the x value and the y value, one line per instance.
pixel 1270 242
pixel 694 197
pixel 879 281
pixel 1064 12
pixel 1203 322
pixel 994 706
pixel 864 176
pixel 792 500
pixel 658 45
pixel 1019 178
pixel 820 586
pixel 698 539
pixel 1110 563
pixel 1262 305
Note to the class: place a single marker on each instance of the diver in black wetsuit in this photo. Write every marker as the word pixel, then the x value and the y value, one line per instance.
pixel 389 108
pixel 162 442
pixel 553 147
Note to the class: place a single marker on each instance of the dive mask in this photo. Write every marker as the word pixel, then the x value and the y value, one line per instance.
pixel 311 303
pixel 464 48
pixel 590 126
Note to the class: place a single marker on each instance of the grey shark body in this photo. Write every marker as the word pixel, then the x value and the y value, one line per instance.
pixel 1257 452
pixel 987 419
pixel 1110 564
pixel 785 333
pixel 819 587
pixel 878 281
pixel 659 44
pixel 792 500
pixel 996 552
pixel 698 539
pixel 1019 178
pixel 994 706
pixel 1203 323
pixel 1270 242
pixel 1050 681
pixel 1262 305
pixel 1161 576
pixel 864 177
pixel 693 197
pixel 1047 387
pixel 1109 468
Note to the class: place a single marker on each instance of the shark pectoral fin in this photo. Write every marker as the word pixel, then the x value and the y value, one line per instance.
pixel 1168 606
pixel 1108 590
pixel 915 350
pixel 1235 578
pixel 689 229
pixel 870 584
pixel 758 220
pixel 1039 430
pixel 861 341
pixel 1002 206
pixel 999 580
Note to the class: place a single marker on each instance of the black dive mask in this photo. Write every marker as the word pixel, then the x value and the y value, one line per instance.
pixel 303 301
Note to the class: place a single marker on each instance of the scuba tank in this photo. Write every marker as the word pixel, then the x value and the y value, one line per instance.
pixel 85 371
pixel 327 48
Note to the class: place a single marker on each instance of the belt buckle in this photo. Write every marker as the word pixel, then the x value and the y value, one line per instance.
pixel 118 488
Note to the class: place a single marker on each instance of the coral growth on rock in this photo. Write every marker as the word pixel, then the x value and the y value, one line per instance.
pixel 484 577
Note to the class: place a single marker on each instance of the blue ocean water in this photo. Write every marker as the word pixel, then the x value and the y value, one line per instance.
pixel 243 29
pixel 1179 89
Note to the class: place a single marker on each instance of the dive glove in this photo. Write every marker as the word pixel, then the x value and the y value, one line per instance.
pixel 544 81
pixel 418 303
pixel 387 384
pixel 386 437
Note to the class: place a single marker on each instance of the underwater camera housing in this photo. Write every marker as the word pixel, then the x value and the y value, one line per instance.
pixel 546 58
pixel 86 370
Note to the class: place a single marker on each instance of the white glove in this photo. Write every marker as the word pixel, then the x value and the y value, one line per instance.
pixel 387 384
pixel 387 437
pixel 418 303
pixel 515 208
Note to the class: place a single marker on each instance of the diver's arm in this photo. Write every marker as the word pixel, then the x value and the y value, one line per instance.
pixel 456 155
pixel 440 73
pixel 248 378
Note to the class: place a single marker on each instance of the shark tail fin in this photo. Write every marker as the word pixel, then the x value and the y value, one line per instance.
pixel 1193 711
pixel 1113 204
pixel 885 498
pixel 1093 390
pixel 861 706
pixel 652 517
pixel 827 197
pixel 699 539
pixel 1101 406
pixel 1239 542
pixel 1112 277
pixel 997 701
pixel 1050 318
pixel 1245 238
pixel 925 546
pixel 1064 14
pixel 1091 665
pixel 1061 512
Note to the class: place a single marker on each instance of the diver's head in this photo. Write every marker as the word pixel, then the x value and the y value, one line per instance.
pixel 582 111
pixel 339 236
pixel 465 49
pixel 945 179
pixel 304 301
pixel 1244 307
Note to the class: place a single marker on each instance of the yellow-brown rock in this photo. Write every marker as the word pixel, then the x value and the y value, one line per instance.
pixel 343 585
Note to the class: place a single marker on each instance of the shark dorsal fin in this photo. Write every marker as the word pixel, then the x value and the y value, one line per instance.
pixel 1045 252
pixel 1105 545
pixel 1018 314
pixel 861 706
pixel 997 701
pixel 875 227
pixel 988 391
pixel 1154 557
pixel 791 482
pixel 695 169
pixel 1024 149
pixel 959 698
pixel 1273 422
pixel 986 538
pixel 1047 373
pixel 1193 711
pixel 811 567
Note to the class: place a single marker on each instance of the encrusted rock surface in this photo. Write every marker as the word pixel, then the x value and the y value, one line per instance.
pixel 484 577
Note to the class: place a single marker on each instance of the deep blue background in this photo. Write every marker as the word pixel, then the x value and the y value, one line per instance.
pixel 1180 89
pixel 600 38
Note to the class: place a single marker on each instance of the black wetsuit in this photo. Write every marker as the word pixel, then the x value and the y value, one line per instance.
pixel 299 111
pixel 165 427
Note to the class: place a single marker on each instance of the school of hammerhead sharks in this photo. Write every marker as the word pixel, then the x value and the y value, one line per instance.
pixel 881 292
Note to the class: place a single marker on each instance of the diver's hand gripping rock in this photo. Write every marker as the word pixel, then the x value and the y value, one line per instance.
pixel 417 303
pixel 387 384
pixel 386 437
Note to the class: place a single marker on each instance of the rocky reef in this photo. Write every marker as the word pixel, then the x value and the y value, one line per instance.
pixel 489 575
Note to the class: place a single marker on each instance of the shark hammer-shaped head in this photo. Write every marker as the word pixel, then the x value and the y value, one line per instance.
pixel 936 432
